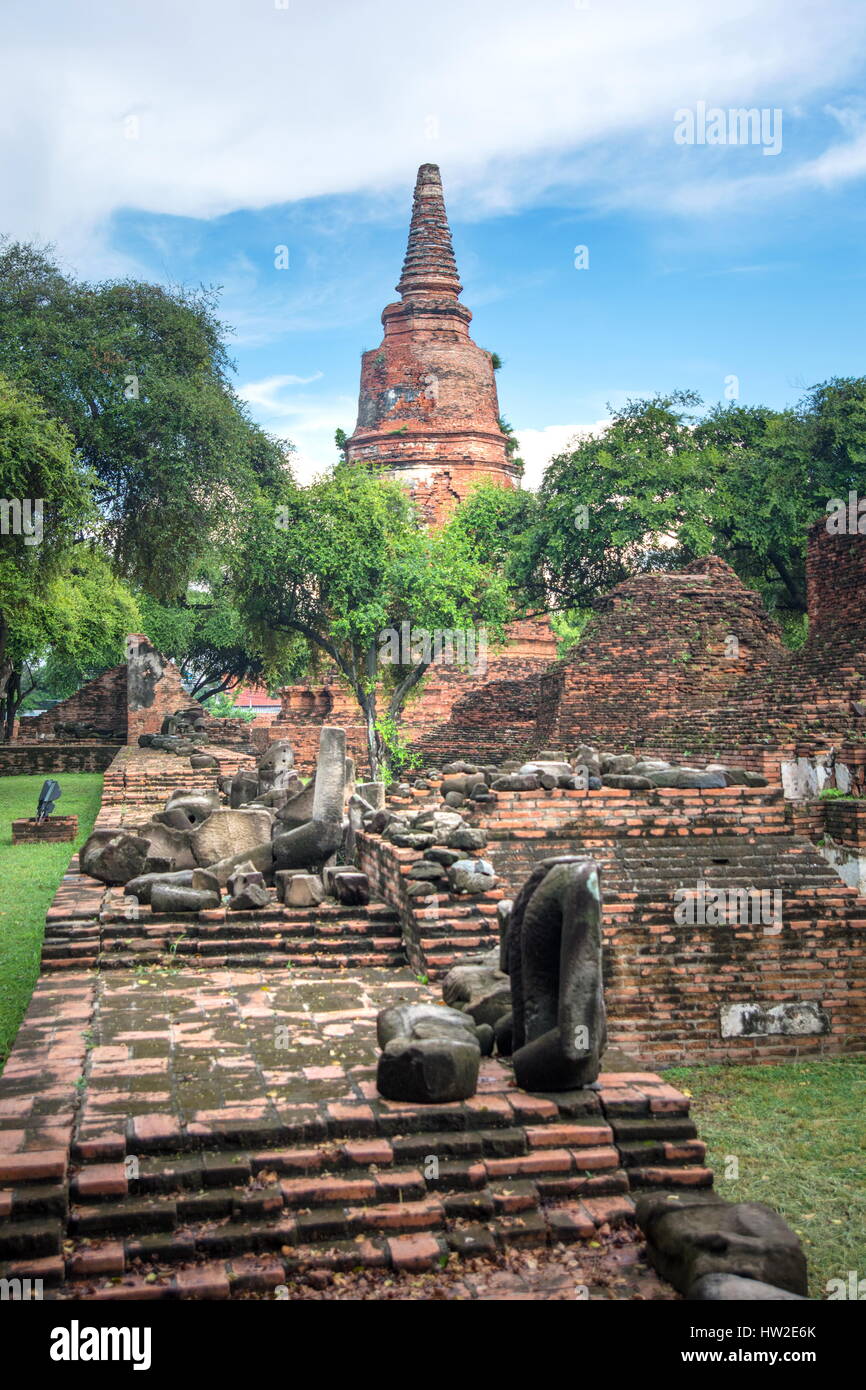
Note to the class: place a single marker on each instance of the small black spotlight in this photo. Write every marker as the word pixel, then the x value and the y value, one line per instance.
pixel 47 797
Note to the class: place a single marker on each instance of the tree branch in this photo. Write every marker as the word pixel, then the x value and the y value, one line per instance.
pixel 406 685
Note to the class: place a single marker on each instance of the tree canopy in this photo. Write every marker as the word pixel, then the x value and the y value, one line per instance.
pixel 46 503
pixel 344 563
pixel 139 375
pixel 666 483
pixel 205 634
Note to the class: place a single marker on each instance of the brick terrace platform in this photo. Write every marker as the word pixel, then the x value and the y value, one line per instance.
pixel 666 984
pixel 173 1134
pixel 214 1131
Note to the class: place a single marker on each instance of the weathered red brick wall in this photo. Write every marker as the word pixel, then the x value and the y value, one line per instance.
pixel 845 822
pixel 836 582
pixel 807 819
pixel 666 983
pixel 50 759
pixel 101 704
pixel 425 720
pixel 437 931
pixel 154 688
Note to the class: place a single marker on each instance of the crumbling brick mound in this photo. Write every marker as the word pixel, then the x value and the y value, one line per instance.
pixel 661 644
pixel 95 713
pixel 811 700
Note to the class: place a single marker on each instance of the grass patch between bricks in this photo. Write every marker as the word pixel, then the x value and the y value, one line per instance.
pixel 798 1130
pixel 29 876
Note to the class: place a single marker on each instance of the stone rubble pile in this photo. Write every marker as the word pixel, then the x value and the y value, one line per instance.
pixel 79 730
pixel 188 731
pixel 588 768
pixel 264 830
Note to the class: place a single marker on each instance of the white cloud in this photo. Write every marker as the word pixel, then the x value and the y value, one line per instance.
pixel 265 394
pixel 838 164
pixel 538 447
pixel 306 419
pixel 212 106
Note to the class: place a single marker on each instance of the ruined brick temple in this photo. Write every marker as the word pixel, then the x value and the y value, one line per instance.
pixel 428 411
pixel 191 1107
pixel 428 415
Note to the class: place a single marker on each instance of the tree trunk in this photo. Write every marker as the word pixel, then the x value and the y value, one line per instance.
pixel 368 707
pixel 6 665
pixel 13 700
pixel 7 670
pixel 792 583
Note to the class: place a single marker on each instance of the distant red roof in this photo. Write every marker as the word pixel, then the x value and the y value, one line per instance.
pixel 255 697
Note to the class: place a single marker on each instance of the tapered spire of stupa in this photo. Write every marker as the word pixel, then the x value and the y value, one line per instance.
pixel 429 267
pixel 427 409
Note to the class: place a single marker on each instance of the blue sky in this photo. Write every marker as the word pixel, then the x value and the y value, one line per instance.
pixel 185 142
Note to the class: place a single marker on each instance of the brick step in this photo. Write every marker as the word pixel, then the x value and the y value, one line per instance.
pixel 240 956
pixel 32 1203
pixel 181 945
pixel 410 1235
pixel 274 931
pixel 98 1208
pixel 767 861
pixel 463 947
pixel 324 917
pixel 173 1170
pixel 265 1272
pixel 193 1207
pixel 800 894
pixel 717 860
pixel 656 910
pixel 32 1239
pixel 665 1153
pixel 669 1177
pixel 783 847
pixel 201 942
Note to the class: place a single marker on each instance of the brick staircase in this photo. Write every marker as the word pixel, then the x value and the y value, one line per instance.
pixel 89 926
pixel 171 1214
pixel 463 929
pixel 641 875
pixel 145 778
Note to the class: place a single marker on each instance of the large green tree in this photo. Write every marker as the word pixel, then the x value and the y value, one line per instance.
pixel 209 639
pixel 84 614
pixel 140 377
pixel 345 563
pixel 667 482
pixel 46 503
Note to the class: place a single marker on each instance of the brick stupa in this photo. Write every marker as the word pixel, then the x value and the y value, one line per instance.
pixel 428 415
pixel 427 410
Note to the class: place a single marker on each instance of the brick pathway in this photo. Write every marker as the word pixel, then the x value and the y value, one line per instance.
pixel 202 1121
pixel 192 1133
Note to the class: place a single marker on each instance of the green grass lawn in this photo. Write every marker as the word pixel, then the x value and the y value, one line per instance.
pixel 29 875
pixel 799 1133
